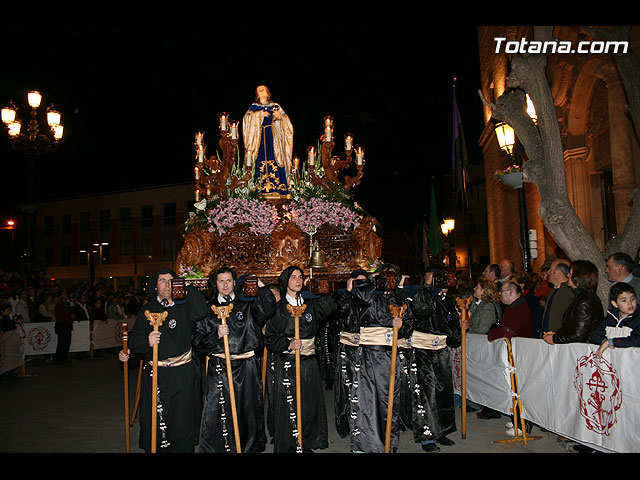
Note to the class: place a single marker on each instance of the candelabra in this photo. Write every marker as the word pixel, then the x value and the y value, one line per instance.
pixel 214 174
pixel 332 164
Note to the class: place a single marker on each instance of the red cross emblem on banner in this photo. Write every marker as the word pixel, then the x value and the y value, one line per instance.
pixel 599 394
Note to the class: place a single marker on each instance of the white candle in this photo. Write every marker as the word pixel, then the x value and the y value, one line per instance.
pixel 199 139
pixel 197 196
pixel 223 122
pixel 348 139
pixel 197 174
pixel 200 155
pixel 359 155
pixel 234 130
pixel 312 155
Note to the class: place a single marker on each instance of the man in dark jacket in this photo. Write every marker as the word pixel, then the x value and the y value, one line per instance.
pixel 559 298
pixel 64 326
pixel 516 321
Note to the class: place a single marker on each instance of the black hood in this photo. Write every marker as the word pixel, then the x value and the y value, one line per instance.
pixel 363 288
pixel 153 283
pixel 213 281
pixel 283 279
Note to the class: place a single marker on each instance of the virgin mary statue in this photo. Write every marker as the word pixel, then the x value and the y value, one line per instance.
pixel 268 142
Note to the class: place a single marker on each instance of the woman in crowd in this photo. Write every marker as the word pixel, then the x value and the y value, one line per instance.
pixel 585 312
pixel 485 309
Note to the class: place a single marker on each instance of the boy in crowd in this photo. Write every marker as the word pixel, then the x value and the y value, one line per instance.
pixel 621 326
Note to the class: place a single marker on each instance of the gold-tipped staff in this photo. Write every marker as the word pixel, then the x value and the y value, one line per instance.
pixel 463 306
pixel 396 312
pixel 125 366
pixel 296 312
pixel 156 320
pixel 223 313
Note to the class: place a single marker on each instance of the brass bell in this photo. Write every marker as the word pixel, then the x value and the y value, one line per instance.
pixel 317 259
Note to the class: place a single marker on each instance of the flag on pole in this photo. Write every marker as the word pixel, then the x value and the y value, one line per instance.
pixel 459 171
pixel 434 225
pixel 459 160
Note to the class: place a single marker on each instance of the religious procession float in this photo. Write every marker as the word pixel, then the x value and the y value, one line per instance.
pixel 259 209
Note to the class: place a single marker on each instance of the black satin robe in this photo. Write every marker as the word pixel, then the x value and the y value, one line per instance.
pixel 370 387
pixel 431 380
pixel 280 329
pixel 245 335
pixel 180 395
pixel 348 310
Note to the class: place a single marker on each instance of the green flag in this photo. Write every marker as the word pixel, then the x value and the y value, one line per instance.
pixel 434 226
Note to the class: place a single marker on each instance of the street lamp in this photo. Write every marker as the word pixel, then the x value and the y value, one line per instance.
pixel 507 140
pixel 33 143
pixel 100 245
pixel 506 137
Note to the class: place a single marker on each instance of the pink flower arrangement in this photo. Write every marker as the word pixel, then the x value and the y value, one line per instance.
pixel 260 216
pixel 190 271
pixel 316 212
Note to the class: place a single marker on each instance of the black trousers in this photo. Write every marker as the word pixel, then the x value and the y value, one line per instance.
pixel 64 342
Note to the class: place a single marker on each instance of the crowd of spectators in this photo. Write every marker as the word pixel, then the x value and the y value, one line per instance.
pixel 35 298
pixel 559 306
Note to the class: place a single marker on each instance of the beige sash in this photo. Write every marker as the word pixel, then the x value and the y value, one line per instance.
pixel 350 338
pixel 428 341
pixel 239 356
pixel 175 361
pixel 376 336
pixel 308 347
pixel 384 336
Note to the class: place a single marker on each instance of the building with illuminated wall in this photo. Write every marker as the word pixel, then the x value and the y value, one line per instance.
pixel 115 238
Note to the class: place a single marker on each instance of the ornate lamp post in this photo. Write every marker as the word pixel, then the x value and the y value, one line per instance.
pixel 33 143
pixel 506 140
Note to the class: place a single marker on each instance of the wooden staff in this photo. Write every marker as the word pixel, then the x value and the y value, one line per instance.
pixel 265 359
pixel 136 403
pixel 516 404
pixel 396 312
pixel 155 319
pixel 463 306
pixel 125 366
pixel 223 313
pixel 296 312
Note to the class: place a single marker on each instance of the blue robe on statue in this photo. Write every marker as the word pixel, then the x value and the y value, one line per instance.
pixel 269 176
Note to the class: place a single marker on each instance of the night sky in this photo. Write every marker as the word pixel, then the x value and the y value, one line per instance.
pixel 132 99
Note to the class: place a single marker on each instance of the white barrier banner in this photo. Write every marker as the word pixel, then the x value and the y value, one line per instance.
pixel 41 338
pixel 107 334
pixel 572 392
pixel 488 373
pixel 10 351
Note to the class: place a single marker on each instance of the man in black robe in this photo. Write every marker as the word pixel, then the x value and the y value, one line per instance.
pixel 179 394
pixel 436 328
pixel 280 340
pixel 244 332
pixel 372 379
pixel 349 305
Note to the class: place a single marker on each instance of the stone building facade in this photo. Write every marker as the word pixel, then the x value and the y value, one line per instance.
pixel 601 149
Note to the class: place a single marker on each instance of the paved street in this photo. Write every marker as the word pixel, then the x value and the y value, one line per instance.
pixel 78 407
